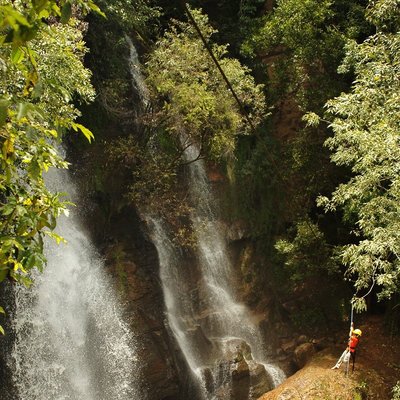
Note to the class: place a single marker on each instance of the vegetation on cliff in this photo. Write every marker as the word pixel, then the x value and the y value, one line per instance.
pixel 304 53
pixel 316 181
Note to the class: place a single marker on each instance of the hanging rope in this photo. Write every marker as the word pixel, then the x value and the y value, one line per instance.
pixel 352 314
pixel 351 331
pixel 231 89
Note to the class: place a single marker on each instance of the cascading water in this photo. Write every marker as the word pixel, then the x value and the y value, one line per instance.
pixel 136 73
pixel 210 325
pixel 71 342
pixel 231 316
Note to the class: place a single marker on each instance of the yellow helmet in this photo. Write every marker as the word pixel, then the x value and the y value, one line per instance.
pixel 357 332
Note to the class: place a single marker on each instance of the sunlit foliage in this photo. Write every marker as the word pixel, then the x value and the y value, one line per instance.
pixel 41 74
pixel 366 138
pixel 189 94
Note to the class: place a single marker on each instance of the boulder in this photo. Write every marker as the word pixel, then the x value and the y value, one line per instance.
pixel 288 346
pixel 240 380
pixel 303 353
pixel 260 381
pixel 302 339
pixel 240 370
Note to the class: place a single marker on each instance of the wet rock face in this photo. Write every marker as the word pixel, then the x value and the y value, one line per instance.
pixel 240 380
pixel 133 262
pixel 237 376
pixel 260 381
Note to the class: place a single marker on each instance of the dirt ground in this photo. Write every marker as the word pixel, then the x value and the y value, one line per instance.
pixel 377 370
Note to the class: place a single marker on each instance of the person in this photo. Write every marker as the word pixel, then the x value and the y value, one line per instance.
pixel 350 351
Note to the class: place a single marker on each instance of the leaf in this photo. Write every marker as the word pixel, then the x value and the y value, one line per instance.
pixel 27 282
pixel 96 9
pixel 51 221
pixel 39 5
pixel 88 134
pixel 8 148
pixel 22 110
pixel 66 13
pixel 2 310
pixel 56 237
pixel 32 57
pixel 17 55
pixel 311 119
pixel 38 89
pixel 2 330
pixel 3 274
pixel 44 14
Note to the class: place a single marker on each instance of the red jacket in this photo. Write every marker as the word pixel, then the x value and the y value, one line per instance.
pixel 353 342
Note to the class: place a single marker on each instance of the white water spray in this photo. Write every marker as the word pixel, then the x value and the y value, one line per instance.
pixel 71 342
pixel 230 318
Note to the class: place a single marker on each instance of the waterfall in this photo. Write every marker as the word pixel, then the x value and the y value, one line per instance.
pixel 136 73
pixel 71 342
pixel 229 318
pixel 210 325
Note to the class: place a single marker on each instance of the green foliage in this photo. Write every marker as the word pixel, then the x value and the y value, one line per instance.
pixel 302 41
pixel 254 186
pixel 297 25
pixel 151 181
pixel 190 95
pixel 384 14
pixel 396 391
pixel 130 15
pixel 306 253
pixel 21 21
pixel 41 74
pixel 108 40
pixel 366 129
pixel 301 45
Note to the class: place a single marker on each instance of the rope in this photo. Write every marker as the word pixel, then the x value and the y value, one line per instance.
pixel 231 89
pixel 351 331
pixel 352 314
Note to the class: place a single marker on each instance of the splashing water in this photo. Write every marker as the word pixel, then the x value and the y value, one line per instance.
pixel 71 342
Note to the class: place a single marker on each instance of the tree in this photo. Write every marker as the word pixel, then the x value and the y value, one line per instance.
pixel 189 105
pixel 302 41
pixel 190 97
pixel 366 128
pixel 41 53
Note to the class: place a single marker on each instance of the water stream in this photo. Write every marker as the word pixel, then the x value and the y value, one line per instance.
pixel 71 341
pixel 210 324
pixel 212 328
